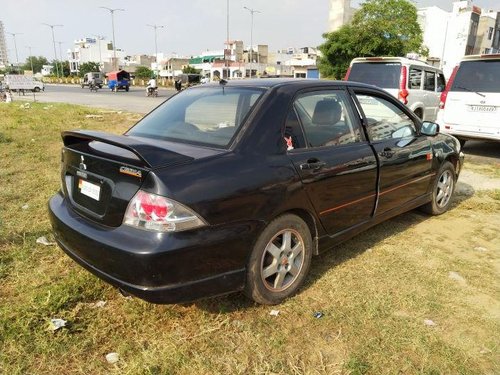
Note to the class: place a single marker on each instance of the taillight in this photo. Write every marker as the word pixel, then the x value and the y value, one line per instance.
pixel 444 94
pixel 403 92
pixel 156 213
pixel 347 74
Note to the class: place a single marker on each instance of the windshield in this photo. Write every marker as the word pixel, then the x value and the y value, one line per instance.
pixel 384 74
pixel 481 76
pixel 207 116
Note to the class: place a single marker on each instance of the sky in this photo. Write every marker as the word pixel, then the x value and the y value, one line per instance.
pixel 190 26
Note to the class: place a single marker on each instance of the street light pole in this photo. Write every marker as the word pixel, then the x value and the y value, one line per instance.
pixel 31 61
pixel 226 58
pixel 54 43
pixel 60 58
pixel 15 46
pixel 155 27
pixel 252 11
pixel 112 11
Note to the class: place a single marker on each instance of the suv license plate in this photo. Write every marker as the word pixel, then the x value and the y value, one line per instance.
pixel 89 189
pixel 483 108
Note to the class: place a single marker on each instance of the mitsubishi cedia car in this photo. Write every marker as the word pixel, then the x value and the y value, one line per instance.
pixel 235 186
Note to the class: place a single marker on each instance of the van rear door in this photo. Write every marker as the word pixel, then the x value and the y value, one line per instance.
pixel 473 102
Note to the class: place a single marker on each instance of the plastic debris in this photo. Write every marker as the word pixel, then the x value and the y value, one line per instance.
pixel 99 304
pixel 429 323
pixel 25 207
pixel 112 357
pixel 44 241
pixel 318 314
pixel 274 312
pixel 57 323
pixel 25 106
pixel 94 116
pixel 481 249
pixel 455 276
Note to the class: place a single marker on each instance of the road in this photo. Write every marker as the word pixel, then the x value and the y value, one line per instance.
pixel 133 101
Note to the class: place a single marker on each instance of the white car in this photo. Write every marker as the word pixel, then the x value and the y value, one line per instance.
pixel 414 83
pixel 470 104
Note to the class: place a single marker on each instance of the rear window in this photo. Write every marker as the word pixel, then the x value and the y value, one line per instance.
pixel 384 75
pixel 207 116
pixel 482 76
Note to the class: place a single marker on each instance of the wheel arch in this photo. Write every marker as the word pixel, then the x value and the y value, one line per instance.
pixel 311 222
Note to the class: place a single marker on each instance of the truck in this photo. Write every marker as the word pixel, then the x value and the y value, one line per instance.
pixel 23 83
pixel 97 77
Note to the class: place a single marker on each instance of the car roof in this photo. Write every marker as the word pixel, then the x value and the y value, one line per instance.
pixel 402 60
pixel 268 83
pixel 495 56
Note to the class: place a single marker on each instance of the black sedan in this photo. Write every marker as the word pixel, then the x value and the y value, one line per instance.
pixel 235 186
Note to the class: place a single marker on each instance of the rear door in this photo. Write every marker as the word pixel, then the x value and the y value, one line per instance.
pixel 473 102
pixel 335 162
pixel 404 156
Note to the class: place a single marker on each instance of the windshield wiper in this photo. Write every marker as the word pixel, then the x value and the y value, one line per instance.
pixel 475 92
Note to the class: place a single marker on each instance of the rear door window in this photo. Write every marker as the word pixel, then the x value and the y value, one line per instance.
pixel 481 76
pixel 441 82
pixel 430 81
pixel 415 81
pixel 384 74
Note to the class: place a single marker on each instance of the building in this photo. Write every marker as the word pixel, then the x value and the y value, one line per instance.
pixel 341 13
pixel 97 50
pixel 488 33
pixel 434 23
pixel 4 60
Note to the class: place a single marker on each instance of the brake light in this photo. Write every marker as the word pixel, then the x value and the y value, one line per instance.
pixel 403 92
pixel 347 74
pixel 444 94
pixel 156 213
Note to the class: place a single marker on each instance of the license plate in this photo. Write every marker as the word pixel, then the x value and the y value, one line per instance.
pixel 89 189
pixel 483 108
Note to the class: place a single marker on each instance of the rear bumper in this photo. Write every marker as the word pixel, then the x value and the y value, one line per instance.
pixel 159 268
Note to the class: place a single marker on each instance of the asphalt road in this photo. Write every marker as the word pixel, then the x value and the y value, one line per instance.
pixel 133 101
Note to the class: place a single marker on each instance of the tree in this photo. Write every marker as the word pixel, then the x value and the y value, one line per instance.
pixel 88 67
pixel 143 72
pixel 378 28
pixel 190 70
pixel 38 63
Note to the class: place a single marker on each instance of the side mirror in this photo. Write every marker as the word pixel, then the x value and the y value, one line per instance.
pixel 429 128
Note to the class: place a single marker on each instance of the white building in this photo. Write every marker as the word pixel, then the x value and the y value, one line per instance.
pixel 4 60
pixel 340 14
pixel 97 50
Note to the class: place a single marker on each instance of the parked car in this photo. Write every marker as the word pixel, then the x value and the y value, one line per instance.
pixel 119 80
pixel 95 77
pixel 470 105
pixel 235 186
pixel 414 83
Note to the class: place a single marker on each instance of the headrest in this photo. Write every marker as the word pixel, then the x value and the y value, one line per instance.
pixel 327 112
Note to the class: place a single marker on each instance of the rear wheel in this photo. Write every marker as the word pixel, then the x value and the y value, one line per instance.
pixel 279 261
pixel 126 89
pixel 36 89
pixel 442 191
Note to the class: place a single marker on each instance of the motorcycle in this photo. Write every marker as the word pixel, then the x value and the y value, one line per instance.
pixel 152 91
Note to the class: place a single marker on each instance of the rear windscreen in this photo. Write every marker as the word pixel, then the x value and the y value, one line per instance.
pixel 384 74
pixel 482 76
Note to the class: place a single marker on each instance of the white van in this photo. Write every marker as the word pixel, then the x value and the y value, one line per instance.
pixel 414 83
pixel 470 104
pixel 15 82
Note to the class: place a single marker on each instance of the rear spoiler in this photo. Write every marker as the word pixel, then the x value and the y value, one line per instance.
pixel 151 155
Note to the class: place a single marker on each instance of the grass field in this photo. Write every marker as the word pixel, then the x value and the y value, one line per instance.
pixel 414 295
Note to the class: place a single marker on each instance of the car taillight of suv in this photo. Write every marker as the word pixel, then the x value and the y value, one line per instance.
pixel 403 92
pixel 444 94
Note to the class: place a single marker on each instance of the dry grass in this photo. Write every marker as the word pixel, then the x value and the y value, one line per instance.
pixel 375 291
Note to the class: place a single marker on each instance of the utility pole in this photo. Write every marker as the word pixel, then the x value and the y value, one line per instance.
pixel 31 61
pixel 226 58
pixel 155 27
pixel 60 58
pixel 252 11
pixel 15 46
pixel 54 43
pixel 112 11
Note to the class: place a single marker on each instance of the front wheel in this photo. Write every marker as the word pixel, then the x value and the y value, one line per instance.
pixel 442 190
pixel 279 261
pixel 126 89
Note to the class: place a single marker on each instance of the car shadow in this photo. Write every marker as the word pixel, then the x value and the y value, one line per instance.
pixel 343 252
pixel 486 149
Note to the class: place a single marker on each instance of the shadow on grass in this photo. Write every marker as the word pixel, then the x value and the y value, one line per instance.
pixel 343 252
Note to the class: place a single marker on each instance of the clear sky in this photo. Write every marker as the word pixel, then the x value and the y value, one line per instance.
pixel 191 26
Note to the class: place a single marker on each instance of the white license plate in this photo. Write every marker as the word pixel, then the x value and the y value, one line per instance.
pixel 89 189
pixel 483 108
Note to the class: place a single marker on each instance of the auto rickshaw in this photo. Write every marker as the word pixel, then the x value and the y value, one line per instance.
pixel 119 80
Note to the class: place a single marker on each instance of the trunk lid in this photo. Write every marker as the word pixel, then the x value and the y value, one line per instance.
pixel 101 172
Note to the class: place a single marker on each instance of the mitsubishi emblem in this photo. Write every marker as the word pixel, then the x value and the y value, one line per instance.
pixel 483 101
pixel 82 165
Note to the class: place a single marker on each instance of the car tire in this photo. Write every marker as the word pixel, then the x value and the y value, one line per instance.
pixel 462 142
pixel 126 89
pixel 36 89
pixel 280 260
pixel 442 190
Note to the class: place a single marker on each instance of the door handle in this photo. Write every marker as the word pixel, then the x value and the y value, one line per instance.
pixel 386 153
pixel 313 165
